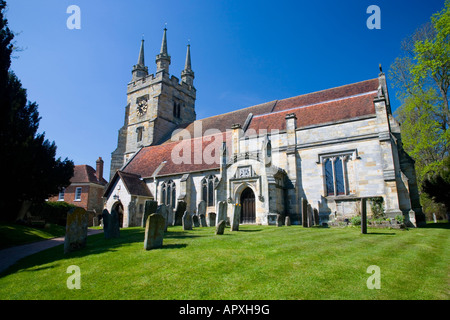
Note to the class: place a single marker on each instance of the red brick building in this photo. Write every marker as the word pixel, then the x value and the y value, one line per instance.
pixel 86 188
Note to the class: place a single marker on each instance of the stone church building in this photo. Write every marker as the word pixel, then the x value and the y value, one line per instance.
pixel 331 147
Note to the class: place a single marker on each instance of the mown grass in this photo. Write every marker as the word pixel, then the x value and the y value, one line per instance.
pixel 258 262
pixel 12 234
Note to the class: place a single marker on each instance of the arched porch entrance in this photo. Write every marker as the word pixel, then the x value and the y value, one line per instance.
pixel 248 210
pixel 119 209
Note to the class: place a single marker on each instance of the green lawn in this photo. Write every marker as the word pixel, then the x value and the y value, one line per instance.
pixel 12 234
pixel 258 262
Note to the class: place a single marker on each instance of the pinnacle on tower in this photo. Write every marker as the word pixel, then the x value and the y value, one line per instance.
pixel 187 75
pixel 163 58
pixel 140 70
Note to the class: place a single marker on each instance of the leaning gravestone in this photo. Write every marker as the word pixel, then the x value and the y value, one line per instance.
pixel 187 221
pixel 202 220
pixel 179 212
pixel 195 220
pixel 221 211
pixel 111 227
pixel 236 217
pixel 150 207
pixel 154 231
pixel 76 230
pixel 220 228
pixel 310 215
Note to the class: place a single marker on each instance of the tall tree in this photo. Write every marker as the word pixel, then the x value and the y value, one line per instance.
pixel 422 76
pixel 29 167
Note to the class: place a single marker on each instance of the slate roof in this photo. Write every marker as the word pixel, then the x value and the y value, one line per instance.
pixel 322 107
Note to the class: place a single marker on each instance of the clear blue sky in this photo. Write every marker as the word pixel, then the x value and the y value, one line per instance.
pixel 243 53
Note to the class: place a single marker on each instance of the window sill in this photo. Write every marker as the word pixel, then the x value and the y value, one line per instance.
pixel 343 197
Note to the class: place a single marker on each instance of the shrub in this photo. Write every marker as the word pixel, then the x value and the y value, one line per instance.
pixel 377 207
pixel 400 218
pixel 52 212
pixel 356 221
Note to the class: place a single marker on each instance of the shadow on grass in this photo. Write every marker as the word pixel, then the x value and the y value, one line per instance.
pixel 96 244
pixel 381 233
pixel 438 225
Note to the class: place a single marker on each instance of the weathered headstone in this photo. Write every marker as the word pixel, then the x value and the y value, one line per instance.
pixel 211 219
pixel 287 221
pixel 111 226
pixel 221 211
pixel 76 230
pixel 164 211
pixel 195 221
pixel 410 219
pixel 187 221
pixel 279 220
pixel 201 208
pixel 95 221
pixel 202 220
pixel 154 231
pixel 220 228
pixel 149 208
pixel 304 212
pixel 179 212
pixel 235 219
pixel 310 215
pixel 316 217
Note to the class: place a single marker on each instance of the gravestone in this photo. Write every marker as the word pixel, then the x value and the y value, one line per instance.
pixel 310 215
pixel 187 221
pixel 304 212
pixel 201 208
pixel 95 221
pixel 363 216
pixel 211 219
pixel 235 219
pixel 220 228
pixel 164 211
pixel 287 221
pixel 154 231
pixel 316 217
pixel 149 208
pixel 195 221
pixel 76 230
pixel 221 211
pixel 279 220
pixel 179 212
pixel 111 226
pixel 202 220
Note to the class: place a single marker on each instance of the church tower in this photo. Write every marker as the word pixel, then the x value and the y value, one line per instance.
pixel 156 105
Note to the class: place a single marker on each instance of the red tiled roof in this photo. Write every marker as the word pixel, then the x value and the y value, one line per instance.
pixel 333 111
pixel 201 155
pixel 85 174
pixel 331 105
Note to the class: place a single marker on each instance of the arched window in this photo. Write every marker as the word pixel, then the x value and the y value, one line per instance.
pixel 208 184
pixel 335 175
pixel 169 193
pixel 176 109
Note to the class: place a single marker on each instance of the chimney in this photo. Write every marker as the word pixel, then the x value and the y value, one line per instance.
pixel 99 172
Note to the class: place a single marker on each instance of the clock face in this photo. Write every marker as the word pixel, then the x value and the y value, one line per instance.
pixel 244 172
pixel 142 107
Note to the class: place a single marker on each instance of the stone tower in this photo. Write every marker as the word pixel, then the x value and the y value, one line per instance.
pixel 156 105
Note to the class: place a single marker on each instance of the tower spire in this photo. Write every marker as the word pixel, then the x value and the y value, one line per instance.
pixel 141 54
pixel 140 70
pixel 187 75
pixel 163 58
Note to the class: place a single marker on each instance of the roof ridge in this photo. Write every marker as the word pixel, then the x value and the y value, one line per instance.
pixel 318 103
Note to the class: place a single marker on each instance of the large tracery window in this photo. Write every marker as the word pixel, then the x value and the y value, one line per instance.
pixel 208 184
pixel 335 172
pixel 168 193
